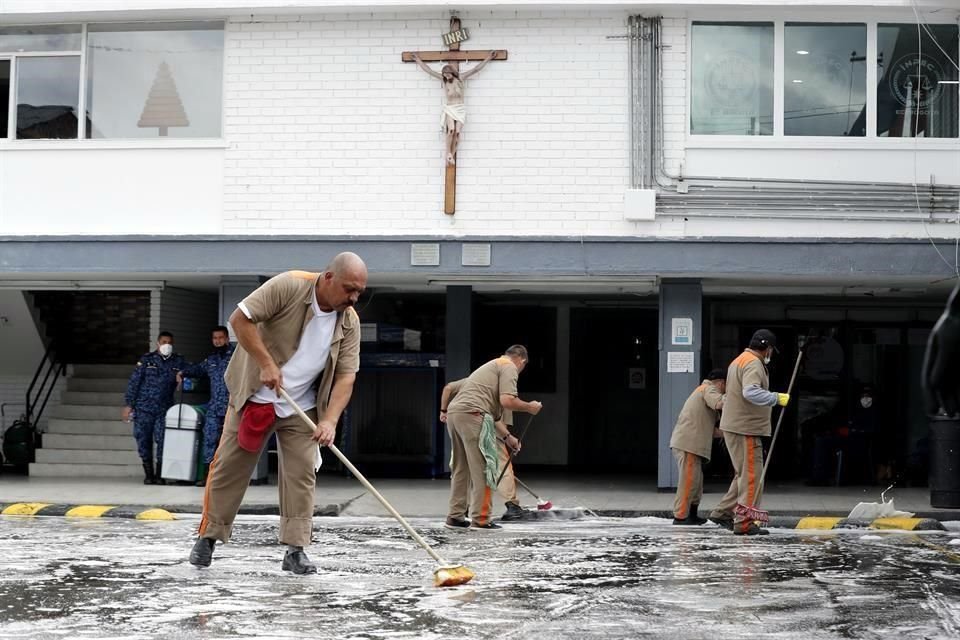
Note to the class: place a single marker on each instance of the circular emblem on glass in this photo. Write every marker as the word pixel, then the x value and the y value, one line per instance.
pixel 906 77
pixel 732 78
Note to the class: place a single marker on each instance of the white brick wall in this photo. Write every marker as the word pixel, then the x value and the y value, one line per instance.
pixel 13 391
pixel 331 133
pixel 674 60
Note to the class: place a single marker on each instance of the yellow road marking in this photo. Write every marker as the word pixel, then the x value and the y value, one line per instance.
pixel 818 523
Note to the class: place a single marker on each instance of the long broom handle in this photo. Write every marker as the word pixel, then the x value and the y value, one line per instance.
pixel 529 490
pixel 773 441
pixel 513 453
pixel 366 483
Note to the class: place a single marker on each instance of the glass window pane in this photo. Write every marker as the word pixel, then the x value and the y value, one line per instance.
pixel 48 93
pixel 732 89
pixel 154 80
pixel 915 100
pixel 40 38
pixel 825 80
pixel 4 96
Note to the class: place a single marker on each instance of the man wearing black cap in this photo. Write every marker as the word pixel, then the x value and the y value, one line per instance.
pixel 745 419
pixel 691 443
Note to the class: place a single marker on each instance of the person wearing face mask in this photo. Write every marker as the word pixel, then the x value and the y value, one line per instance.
pixel 149 395
pixel 212 367
pixel 745 419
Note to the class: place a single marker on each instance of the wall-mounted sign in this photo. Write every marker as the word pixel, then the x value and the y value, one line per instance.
pixel 682 331
pixel 455 37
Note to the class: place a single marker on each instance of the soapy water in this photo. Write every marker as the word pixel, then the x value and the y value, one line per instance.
pixel 592 578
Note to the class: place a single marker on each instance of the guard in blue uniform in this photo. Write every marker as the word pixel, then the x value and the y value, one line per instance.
pixel 213 367
pixel 149 395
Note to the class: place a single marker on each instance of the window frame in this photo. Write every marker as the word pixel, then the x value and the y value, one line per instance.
pixel 780 141
pixel 10 142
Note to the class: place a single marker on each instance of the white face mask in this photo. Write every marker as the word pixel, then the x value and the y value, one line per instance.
pixel 766 359
pixel 165 350
pixel 866 403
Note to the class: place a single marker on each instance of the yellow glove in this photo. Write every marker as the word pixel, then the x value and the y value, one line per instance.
pixel 783 399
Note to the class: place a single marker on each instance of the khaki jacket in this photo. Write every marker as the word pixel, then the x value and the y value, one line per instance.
pixel 280 308
pixel 694 429
pixel 740 415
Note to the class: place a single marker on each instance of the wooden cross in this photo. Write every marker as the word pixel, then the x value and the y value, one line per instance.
pixel 453 57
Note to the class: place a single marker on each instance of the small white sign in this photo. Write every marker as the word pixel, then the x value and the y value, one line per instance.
pixel 682 331
pixel 475 254
pixel 680 362
pixel 425 254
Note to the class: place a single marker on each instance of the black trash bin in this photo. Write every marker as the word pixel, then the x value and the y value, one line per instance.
pixel 945 462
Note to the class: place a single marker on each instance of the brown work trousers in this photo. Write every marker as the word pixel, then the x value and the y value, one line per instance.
pixel 468 482
pixel 508 484
pixel 690 483
pixel 746 454
pixel 230 475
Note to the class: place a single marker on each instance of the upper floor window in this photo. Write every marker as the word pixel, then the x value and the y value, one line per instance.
pixel 732 86
pixel 824 79
pixel 140 81
pixel 917 81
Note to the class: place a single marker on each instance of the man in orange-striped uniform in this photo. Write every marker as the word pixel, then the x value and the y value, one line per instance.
pixel 480 397
pixel 691 443
pixel 746 418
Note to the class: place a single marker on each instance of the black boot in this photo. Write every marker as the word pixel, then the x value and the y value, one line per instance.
pixel 159 479
pixel 693 518
pixel 148 477
pixel 297 561
pixel 514 512
pixel 202 553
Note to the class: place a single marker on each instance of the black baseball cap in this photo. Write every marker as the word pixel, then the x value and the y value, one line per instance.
pixel 717 374
pixel 763 338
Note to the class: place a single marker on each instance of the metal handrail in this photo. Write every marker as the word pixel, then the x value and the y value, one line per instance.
pixel 51 368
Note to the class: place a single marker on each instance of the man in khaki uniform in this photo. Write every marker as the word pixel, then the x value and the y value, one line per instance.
pixel 745 419
pixel 692 441
pixel 297 331
pixel 508 444
pixel 485 391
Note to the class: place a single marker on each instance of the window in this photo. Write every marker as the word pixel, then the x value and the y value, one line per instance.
pixel 825 80
pixel 917 81
pixel 144 80
pixel 154 80
pixel 732 71
pixel 42 78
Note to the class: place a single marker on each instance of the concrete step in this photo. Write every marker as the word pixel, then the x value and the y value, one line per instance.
pixel 87 456
pixel 115 385
pixel 73 441
pixel 48 470
pixel 95 398
pixel 103 370
pixel 87 412
pixel 89 427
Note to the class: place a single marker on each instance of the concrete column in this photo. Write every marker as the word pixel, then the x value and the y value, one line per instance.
pixel 459 331
pixel 681 338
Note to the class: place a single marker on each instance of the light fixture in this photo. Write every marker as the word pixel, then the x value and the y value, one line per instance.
pixel 546 281
pixel 83 285
pixel 948 81
pixel 797 81
pixel 802 52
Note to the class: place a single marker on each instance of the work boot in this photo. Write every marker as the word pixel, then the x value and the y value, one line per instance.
pixel 202 553
pixel 514 512
pixel 692 518
pixel 148 477
pixel 749 529
pixel 457 523
pixel 725 521
pixel 490 526
pixel 296 560
pixel 159 479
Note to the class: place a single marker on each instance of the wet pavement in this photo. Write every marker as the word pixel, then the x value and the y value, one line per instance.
pixel 63 578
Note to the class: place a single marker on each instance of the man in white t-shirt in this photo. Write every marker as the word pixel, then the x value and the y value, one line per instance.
pixel 298 331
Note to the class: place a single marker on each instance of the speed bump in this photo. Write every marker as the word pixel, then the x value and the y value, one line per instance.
pixel 84 511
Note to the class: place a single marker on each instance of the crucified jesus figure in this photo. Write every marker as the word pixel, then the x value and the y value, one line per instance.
pixel 454 110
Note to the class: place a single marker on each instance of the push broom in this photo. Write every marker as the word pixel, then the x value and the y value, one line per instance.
pixel 542 505
pixel 446 574
pixel 756 513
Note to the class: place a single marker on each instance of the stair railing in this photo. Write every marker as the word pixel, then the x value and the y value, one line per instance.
pixel 51 368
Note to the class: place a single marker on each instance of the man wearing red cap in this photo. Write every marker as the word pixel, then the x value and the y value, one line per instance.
pixel 297 331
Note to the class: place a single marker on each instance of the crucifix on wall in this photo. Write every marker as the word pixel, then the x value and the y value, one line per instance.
pixel 454 110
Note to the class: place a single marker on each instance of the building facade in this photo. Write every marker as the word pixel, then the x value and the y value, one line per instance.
pixel 637 188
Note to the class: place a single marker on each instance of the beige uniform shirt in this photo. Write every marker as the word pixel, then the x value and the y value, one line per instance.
pixel 505 415
pixel 740 415
pixel 694 429
pixel 481 390
pixel 281 308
